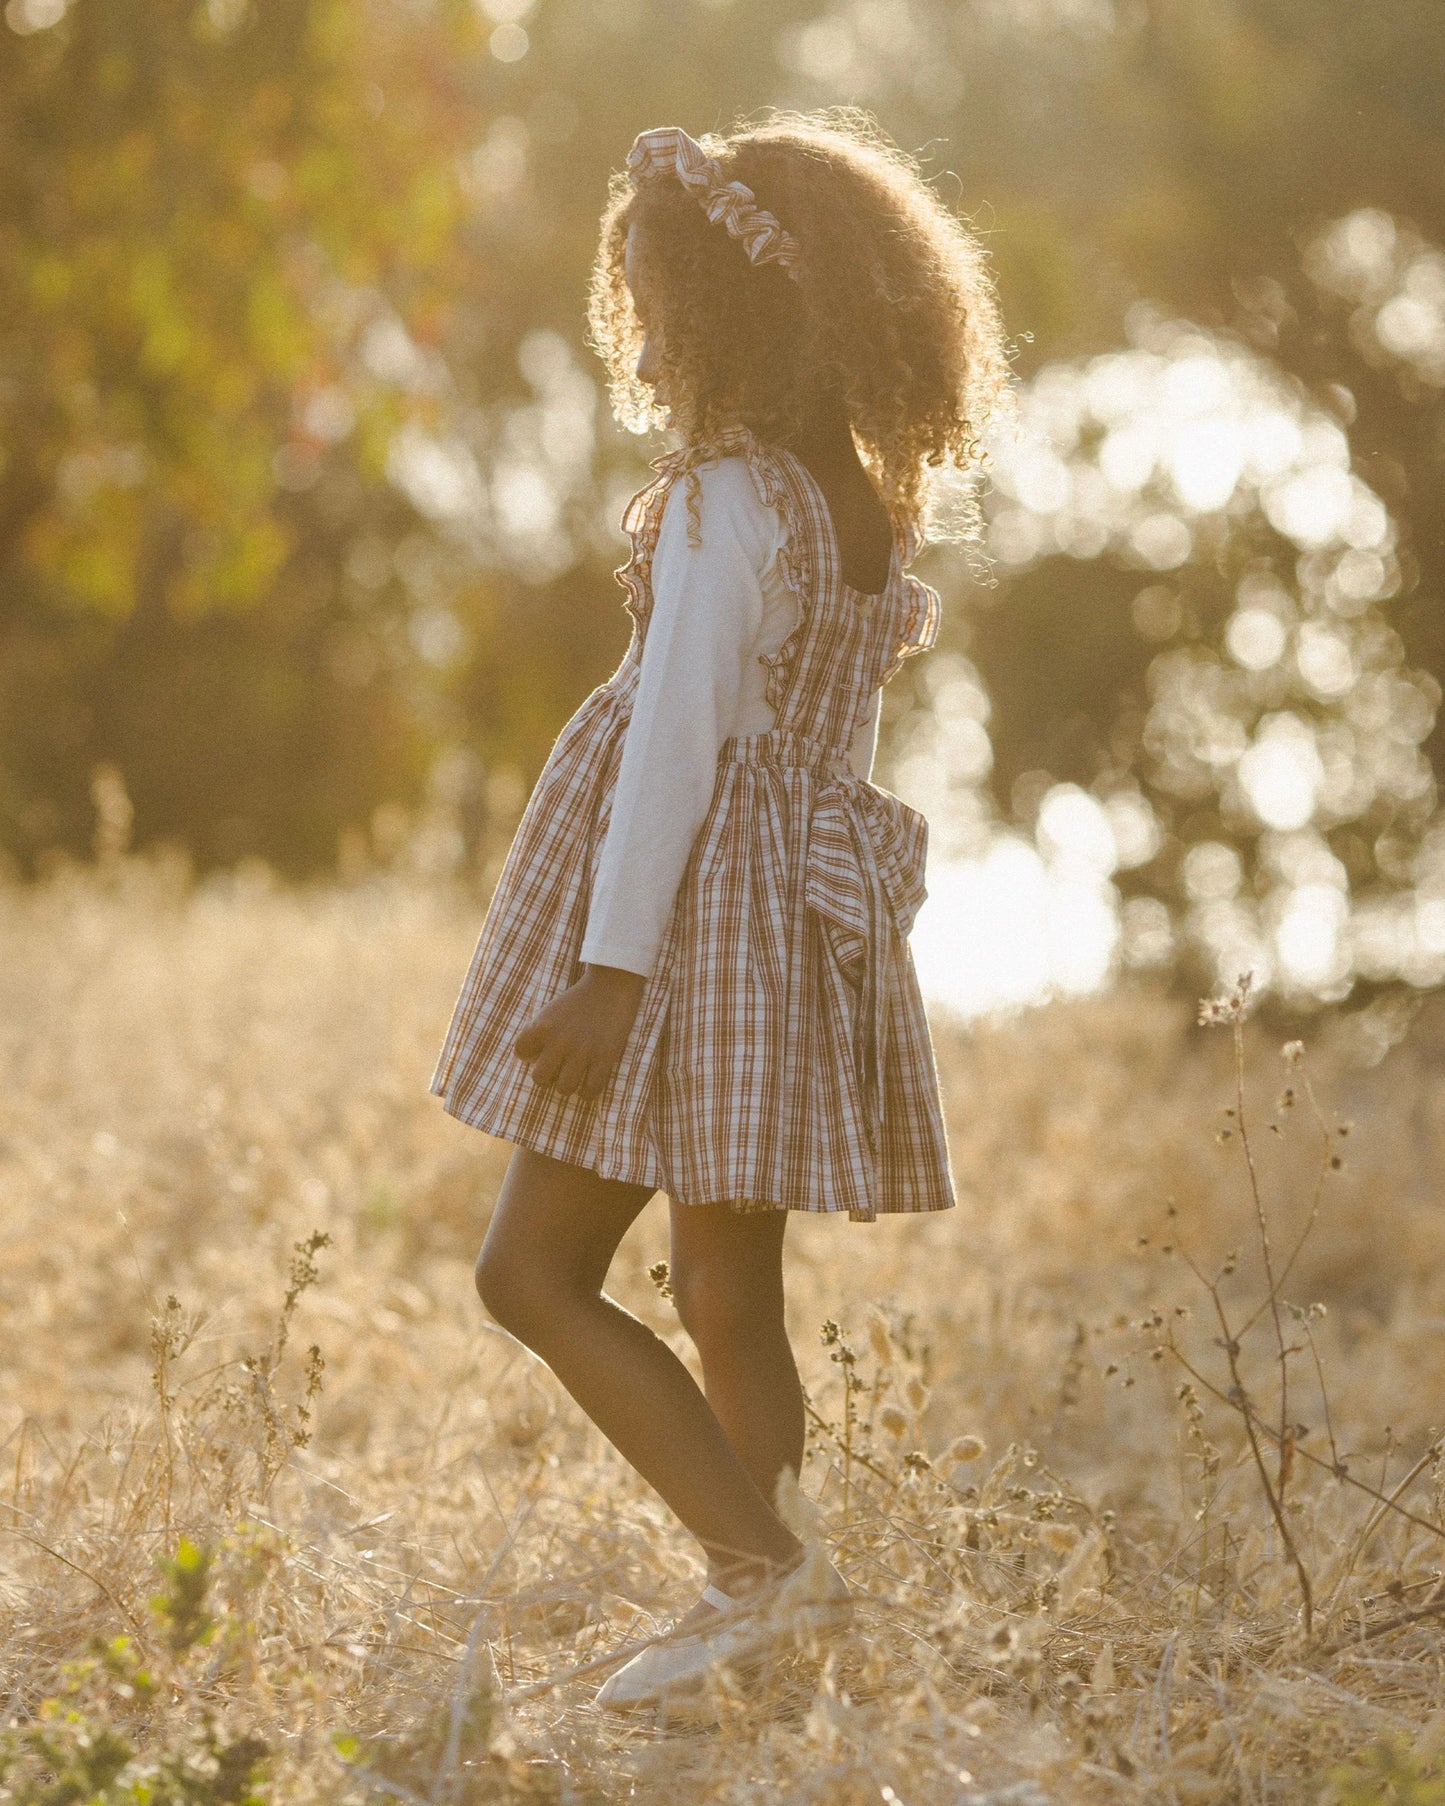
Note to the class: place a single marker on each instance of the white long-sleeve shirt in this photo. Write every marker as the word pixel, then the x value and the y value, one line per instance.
pixel 717 609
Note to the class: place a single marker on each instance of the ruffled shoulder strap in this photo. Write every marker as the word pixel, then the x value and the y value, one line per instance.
pixel 807 557
pixel 811 567
pixel 642 522
pixel 919 614
pixel 807 561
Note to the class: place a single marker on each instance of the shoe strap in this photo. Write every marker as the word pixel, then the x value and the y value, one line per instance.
pixel 723 1602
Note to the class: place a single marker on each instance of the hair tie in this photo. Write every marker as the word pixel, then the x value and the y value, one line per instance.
pixel 668 148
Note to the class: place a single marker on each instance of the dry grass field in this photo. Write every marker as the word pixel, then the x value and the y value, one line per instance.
pixel 284 1519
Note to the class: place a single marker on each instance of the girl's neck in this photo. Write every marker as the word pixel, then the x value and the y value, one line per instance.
pixel 826 439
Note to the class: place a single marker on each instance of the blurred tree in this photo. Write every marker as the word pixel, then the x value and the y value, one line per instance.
pixel 1276 173
pixel 306 476
pixel 287 503
pixel 230 245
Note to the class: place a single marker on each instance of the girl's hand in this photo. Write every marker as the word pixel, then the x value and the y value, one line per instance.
pixel 574 1044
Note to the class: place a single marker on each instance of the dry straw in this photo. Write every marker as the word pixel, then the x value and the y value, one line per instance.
pixel 1134 1461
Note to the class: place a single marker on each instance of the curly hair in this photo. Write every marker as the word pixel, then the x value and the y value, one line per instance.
pixel 890 314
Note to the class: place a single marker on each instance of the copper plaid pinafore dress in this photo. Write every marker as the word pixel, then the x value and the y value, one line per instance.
pixel 780 1056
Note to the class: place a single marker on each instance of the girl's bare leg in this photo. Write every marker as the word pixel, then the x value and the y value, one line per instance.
pixel 540 1274
pixel 727 1278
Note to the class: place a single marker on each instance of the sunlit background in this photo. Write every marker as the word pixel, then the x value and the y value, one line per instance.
pixel 1302 719
pixel 309 493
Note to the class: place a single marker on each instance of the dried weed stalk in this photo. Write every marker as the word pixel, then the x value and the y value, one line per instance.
pixel 1264 1407
pixel 406 1587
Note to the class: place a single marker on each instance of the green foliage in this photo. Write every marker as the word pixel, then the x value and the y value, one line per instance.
pixel 207 209
pixel 181 1607
pixel 1216 161
pixel 143 1719
pixel 248 249
pixel 1388 1774
pixel 128 1728
pixel 177 269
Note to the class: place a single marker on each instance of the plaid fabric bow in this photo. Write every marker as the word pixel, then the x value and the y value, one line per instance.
pixel 864 879
pixel 732 204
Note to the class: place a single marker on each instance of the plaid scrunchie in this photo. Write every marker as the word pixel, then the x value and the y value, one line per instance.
pixel 668 148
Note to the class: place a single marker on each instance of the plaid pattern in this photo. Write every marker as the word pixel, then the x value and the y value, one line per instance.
pixel 781 1056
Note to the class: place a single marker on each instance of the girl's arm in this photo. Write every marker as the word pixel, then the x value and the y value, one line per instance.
pixel 707 608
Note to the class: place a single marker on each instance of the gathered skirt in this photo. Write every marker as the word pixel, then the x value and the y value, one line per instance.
pixel 780 1057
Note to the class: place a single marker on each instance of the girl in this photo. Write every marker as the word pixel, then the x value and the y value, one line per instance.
pixel 694 975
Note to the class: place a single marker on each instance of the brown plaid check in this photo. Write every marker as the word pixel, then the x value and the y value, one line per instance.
pixel 781 1055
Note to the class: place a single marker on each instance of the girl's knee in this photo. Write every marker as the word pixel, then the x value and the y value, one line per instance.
pixel 512 1289
pixel 722 1304
pixel 532 1297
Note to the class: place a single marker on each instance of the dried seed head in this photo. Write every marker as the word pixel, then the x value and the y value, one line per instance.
pixel 965 1448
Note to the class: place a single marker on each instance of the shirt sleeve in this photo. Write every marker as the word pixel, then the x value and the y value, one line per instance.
pixel 707 608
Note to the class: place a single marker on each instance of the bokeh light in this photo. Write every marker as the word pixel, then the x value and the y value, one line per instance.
pixel 1186 448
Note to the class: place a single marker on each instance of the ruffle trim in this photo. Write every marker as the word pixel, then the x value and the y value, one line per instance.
pixel 921 613
pixel 642 522
pixel 771 479
pixel 916 604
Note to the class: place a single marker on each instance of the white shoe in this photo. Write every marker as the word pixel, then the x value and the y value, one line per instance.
pixel 813 1597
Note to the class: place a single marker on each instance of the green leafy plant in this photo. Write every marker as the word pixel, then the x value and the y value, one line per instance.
pixel 1388 1774
pixel 110 1734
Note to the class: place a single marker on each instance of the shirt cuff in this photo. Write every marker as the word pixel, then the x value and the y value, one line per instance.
pixel 630 958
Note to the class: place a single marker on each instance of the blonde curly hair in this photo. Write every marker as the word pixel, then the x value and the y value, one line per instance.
pixel 890 313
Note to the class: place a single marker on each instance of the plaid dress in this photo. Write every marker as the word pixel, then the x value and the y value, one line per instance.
pixel 780 1056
